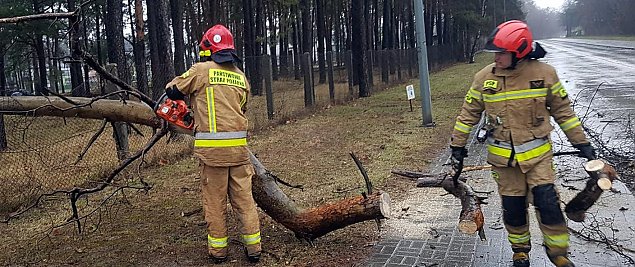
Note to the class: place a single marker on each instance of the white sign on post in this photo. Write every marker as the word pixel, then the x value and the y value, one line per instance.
pixel 410 91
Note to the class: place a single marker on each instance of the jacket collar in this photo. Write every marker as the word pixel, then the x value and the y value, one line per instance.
pixel 520 66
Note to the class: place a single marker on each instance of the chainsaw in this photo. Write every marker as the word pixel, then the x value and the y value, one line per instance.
pixel 174 112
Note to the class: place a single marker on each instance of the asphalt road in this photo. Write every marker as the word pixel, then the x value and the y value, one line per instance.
pixel 599 76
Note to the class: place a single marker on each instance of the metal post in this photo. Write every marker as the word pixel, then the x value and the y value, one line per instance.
pixel 424 81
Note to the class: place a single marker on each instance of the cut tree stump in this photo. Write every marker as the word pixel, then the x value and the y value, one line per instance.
pixel 601 178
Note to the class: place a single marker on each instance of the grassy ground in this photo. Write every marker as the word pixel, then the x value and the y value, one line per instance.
pixel 612 37
pixel 147 229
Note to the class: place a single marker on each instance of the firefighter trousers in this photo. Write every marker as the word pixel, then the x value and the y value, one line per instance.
pixel 217 184
pixel 517 190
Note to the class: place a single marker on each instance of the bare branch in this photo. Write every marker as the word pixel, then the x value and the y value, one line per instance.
pixel 26 18
pixel 44 16
pixel 106 75
pixel 91 142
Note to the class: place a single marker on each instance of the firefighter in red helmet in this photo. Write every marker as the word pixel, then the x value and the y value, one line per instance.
pixel 218 92
pixel 518 94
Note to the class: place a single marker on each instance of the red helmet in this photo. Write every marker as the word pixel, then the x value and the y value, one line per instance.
pixel 217 38
pixel 511 36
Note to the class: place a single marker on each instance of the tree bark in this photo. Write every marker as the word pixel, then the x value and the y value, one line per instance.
pixel 77 84
pixel 3 86
pixel 176 10
pixel 471 219
pixel 111 110
pixel 116 55
pixel 296 45
pixel 307 29
pixel 360 61
pixel 577 207
pixel 161 59
pixel 319 20
pixel 313 223
pixel 140 49
pixel 283 29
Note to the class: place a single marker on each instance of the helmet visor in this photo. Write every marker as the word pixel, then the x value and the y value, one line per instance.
pixel 491 47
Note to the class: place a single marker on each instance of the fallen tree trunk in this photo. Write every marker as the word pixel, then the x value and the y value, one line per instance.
pixel 577 207
pixel 315 222
pixel 87 108
pixel 307 224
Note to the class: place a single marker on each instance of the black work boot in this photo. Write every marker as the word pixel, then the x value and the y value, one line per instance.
pixel 521 259
pixel 561 261
pixel 254 258
pixel 216 260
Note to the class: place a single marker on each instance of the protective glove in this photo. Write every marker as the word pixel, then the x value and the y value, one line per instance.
pixel 586 151
pixel 459 153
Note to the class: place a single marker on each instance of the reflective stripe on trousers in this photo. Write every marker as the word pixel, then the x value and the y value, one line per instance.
pixel 216 242
pixel 561 240
pixel 519 238
pixel 251 239
pixel 523 152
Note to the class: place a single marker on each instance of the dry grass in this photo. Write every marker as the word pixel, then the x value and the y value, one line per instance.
pixel 312 150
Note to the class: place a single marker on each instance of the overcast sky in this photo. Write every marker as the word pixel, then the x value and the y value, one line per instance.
pixel 549 3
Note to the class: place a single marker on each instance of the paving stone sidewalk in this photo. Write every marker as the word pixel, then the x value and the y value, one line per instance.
pixel 423 230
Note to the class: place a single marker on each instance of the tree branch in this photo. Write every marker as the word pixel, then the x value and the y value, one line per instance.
pixel 57 15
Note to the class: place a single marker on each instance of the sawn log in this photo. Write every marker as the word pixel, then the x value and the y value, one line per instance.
pixel 577 207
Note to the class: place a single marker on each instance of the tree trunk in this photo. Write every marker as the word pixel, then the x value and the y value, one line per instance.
pixel 296 46
pixel 112 110
pixel 386 41
pixel 313 223
pixel 116 55
pixel 319 20
pixel 307 26
pixel 273 42
pixel 176 10
pixel 259 42
pixel 140 50
pixel 77 85
pixel 284 42
pixel 100 59
pixel 359 51
pixel 42 83
pixel 250 42
pixel 160 46
pixel 3 86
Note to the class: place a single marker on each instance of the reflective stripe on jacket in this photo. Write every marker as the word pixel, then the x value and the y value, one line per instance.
pixel 218 94
pixel 518 104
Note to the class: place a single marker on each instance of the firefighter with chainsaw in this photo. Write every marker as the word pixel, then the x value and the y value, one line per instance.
pixel 518 94
pixel 218 92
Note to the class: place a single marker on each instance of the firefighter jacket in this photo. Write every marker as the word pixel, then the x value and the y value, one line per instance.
pixel 518 104
pixel 218 95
